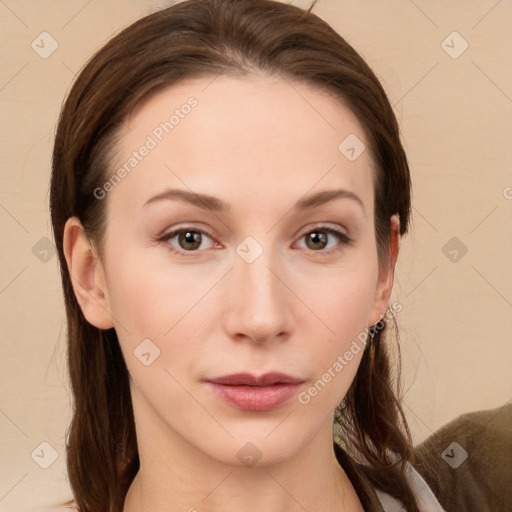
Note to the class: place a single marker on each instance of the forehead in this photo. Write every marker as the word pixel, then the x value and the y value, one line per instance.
pixel 244 136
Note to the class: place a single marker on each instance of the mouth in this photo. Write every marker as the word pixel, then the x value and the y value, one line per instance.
pixel 255 393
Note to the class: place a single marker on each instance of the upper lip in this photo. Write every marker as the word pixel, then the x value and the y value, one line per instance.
pixel 247 379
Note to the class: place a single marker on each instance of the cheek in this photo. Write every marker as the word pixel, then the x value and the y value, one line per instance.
pixel 337 333
pixel 342 298
pixel 167 305
pixel 149 296
pixel 151 313
pixel 334 359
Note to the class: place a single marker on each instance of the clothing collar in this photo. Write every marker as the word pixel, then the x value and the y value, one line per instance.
pixel 375 500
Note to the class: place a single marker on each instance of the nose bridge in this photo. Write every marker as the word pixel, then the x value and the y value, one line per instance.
pixel 258 305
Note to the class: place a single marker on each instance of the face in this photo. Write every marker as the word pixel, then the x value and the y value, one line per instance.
pixel 265 275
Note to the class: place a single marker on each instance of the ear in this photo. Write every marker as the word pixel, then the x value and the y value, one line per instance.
pixel 87 275
pixel 386 277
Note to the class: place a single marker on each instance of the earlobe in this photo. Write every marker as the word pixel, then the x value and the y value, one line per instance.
pixel 87 275
pixel 387 273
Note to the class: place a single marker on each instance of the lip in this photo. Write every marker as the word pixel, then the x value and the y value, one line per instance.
pixel 255 393
pixel 247 379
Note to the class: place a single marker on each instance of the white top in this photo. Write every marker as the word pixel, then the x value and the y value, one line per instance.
pixel 426 499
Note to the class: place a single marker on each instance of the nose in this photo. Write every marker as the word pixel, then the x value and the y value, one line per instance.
pixel 258 308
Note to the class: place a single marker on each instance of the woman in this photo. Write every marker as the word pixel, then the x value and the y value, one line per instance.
pixel 227 197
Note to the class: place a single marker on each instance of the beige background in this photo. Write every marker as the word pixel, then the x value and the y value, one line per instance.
pixel 456 117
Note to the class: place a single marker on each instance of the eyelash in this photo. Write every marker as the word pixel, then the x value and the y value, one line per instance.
pixel 339 235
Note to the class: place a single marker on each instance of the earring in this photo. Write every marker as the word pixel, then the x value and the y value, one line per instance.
pixel 372 349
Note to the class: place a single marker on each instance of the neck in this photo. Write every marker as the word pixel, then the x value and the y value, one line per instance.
pixel 175 476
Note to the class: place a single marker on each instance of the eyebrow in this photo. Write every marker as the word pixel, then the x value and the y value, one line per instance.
pixel 215 204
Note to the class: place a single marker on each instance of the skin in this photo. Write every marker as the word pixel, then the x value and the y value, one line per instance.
pixel 260 144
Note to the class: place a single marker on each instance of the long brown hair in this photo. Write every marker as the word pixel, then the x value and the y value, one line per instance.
pixel 204 38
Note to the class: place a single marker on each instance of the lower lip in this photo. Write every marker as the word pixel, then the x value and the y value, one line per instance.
pixel 255 398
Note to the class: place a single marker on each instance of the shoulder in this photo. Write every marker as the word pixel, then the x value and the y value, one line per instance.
pixel 468 462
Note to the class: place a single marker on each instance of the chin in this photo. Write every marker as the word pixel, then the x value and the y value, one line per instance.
pixel 258 449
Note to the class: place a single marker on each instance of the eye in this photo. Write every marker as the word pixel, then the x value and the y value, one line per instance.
pixel 190 240
pixel 317 239
pixel 187 240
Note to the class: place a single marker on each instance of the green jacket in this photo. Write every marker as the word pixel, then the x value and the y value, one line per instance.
pixel 472 462
pixel 466 466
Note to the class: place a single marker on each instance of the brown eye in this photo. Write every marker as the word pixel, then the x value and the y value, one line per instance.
pixel 317 240
pixel 186 240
